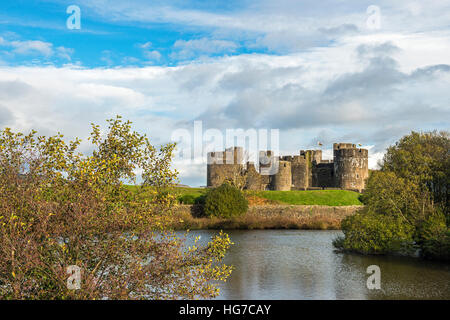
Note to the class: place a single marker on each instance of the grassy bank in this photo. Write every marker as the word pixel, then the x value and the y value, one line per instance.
pixel 315 209
pixel 267 217
pixel 313 197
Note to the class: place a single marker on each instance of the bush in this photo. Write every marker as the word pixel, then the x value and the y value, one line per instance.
pixel 187 199
pixel 200 200
pixel 371 233
pixel 433 225
pixel 434 237
pixel 225 201
pixel 60 208
pixel 437 247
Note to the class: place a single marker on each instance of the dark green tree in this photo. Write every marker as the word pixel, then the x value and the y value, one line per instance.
pixel 406 201
pixel 424 160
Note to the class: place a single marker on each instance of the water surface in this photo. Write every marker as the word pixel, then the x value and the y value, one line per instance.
pixel 301 264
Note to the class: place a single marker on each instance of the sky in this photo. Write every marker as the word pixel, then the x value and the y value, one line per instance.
pixel 354 71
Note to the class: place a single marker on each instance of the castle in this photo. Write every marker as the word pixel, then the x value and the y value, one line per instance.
pixel 307 171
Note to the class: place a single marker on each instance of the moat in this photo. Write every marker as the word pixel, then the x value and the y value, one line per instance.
pixel 301 264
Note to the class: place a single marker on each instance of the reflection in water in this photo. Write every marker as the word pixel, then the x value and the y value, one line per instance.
pixel 301 264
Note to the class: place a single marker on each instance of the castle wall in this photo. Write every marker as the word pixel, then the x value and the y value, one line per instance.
pixel 218 173
pixel 311 158
pixel 323 175
pixel 299 171
pixel 254 179
pixel 348 170
pixel 267 164
pixel 224 165
pixel 266 182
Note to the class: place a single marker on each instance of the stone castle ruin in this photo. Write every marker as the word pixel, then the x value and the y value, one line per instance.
pixel 307 171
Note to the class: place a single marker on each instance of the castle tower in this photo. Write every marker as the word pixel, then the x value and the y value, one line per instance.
pixel 316 156
pixel 254 179
pixel 224 165
pixel 351 166
pixel 282 180
pixel 301 167
pixel 299 171
pixel 268 165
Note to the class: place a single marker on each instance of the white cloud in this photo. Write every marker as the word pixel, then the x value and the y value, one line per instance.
pixel 152 55
pixel 284 25
pixel 130 61
pixel 65 53
pixel 204 46
pixel 145 45
pixel 36 48
pixel 314 96
pixel 32 46
pixel 107 57
pixel 148 52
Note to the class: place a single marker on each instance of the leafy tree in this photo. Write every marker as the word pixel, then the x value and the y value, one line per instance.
pixel 388 194
pixel 59 208
pixel 437 247
pixel 370 233
pixel 407 199
pixel 430 226
pixel 424 160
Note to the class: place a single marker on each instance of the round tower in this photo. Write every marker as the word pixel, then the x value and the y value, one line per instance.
pixel 215 176
pixel 214 173
pixel 351 166
pixel 282 180
pixel 299 171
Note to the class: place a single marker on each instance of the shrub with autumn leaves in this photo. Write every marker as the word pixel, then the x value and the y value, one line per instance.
pixel 60 208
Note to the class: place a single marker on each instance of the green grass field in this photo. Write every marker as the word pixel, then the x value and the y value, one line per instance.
pixel 196 192
pixel 310 197
pixel 183 194
pixel 313 197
